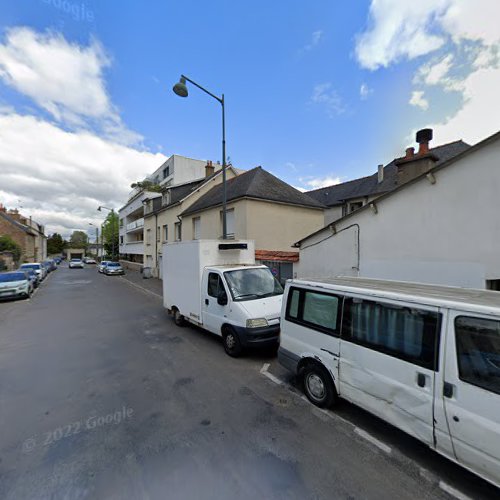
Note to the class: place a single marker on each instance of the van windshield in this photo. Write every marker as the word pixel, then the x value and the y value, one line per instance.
pixel 250 284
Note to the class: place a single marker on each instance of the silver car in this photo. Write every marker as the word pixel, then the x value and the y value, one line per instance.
pixel 39 269
pixel 15 284
pixel 113 268
pixel 76 263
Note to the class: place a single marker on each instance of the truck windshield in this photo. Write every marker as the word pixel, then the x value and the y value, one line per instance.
pixel 250 284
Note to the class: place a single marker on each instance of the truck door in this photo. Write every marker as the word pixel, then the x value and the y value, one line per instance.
pixel 214 314
pixel 388 356
pixel 471 391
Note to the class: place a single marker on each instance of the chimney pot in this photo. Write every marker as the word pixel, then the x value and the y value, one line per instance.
pixel 410 152
pixel 424 136
pixel 380 173
pixel 209 169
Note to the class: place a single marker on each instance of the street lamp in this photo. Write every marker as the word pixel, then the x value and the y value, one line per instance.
pixel 180 88
pixel 112 210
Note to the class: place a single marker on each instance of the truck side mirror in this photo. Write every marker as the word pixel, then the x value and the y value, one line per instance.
pixel 222 297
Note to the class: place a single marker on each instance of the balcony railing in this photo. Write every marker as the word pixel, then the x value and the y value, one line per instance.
pixel 136 224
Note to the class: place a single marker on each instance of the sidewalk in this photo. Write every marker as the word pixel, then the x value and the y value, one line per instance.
pixel 153 285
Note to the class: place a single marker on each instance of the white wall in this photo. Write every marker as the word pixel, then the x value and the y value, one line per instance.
pixel 446 233
pixel 181 170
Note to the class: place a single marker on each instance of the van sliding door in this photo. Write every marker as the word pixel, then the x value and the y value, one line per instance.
pixel 388 355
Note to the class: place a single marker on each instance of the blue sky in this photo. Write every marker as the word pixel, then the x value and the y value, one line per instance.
pixel 316 92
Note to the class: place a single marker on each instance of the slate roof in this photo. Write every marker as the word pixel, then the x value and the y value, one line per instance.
pixel 369 186
pixel 258 184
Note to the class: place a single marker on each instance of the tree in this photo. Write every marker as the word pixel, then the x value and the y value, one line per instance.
pixel 110 235
pixel 147 186
pixel 7 244
pixel 78 239
pixel 55 244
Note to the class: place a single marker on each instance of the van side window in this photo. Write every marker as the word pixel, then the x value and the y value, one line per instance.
pixel 316 310
pixel 214 284
pixel 408 334
pixel 478 352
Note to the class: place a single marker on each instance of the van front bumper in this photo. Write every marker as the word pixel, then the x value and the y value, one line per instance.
pixel 259 337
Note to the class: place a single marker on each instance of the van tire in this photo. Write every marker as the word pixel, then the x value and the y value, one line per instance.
pixel 318 385
pixel 231 341
pixel 178 318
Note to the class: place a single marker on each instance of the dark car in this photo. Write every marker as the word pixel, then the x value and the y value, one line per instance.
pixel 34 277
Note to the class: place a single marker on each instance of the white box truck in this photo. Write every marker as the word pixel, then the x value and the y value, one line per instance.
pixel 217 285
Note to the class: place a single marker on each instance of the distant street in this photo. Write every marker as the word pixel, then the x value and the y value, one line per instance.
pixel 102 396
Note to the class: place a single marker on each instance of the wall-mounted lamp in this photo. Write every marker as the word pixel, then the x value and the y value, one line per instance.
pixel 374 208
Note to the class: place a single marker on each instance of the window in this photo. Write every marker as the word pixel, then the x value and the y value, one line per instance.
pixel 229 222
pixel 165 232
pixel 158 233
pixel 121 222
pixel 478 352
pixel 493 285
pixel 178 231
pixel 121 240
pixel 148 237
pixel 215 285
pixel 405 333
pixel 196 228
pixel 354 206
pixel 316 310
pixel 166 172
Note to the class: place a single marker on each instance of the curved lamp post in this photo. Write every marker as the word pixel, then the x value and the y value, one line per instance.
pixel 180 88
pixel 112 210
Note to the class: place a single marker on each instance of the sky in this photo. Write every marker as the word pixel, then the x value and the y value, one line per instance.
pixel 316 92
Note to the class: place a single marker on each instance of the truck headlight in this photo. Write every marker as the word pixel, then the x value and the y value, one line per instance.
pixel 256 323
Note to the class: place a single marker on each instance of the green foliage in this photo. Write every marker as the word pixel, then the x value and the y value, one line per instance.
pixel 78 239
pixel 110 230
pixel 55 244
pixel 9 245
pixel 3 266
pixel 147 186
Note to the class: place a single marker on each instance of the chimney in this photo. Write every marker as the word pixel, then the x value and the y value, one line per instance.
pixel 209 169
pixel 380 173
pixel 424 136
pixel 410 153
pixel 2 208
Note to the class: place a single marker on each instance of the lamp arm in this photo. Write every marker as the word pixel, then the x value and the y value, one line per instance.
pixel 202 88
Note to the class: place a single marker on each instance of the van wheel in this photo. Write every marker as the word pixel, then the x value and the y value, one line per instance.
pixel 179 318
pixel 232 344
pixel 318 386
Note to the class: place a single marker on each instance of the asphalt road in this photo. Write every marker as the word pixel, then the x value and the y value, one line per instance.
pixel 102 396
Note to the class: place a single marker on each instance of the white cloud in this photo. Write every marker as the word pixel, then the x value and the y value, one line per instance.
pixel 65 79
pixel 434 73
pixel 399 29
pixel 365 91
pixel 326 96
pixel 61 177
pixel 316 38
pixel 461 40
pixel 417 99
pixel 319 182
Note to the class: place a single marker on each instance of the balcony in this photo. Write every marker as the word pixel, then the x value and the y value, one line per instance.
pixel 135 247
pixel 135 225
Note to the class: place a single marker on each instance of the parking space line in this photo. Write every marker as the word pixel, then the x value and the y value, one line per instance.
pixel 453 491
pixel 270 376
pixel 141 288
pixel 379 444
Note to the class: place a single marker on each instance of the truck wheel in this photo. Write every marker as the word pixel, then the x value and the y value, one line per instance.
pixel 232 344
pixel 179 318
pixel 318 386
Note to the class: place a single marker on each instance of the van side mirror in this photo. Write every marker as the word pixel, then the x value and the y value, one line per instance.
pixel 222 297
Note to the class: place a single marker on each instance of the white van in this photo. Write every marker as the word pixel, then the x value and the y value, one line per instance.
pixel 217 286
pixel 424 358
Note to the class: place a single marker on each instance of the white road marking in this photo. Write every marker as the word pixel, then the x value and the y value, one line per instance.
pixel 373 440
pixel 141 288
pixel 453 491
pixel 270 376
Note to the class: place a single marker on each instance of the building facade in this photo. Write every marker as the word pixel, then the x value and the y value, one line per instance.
pixel 27 233
pixel 441 227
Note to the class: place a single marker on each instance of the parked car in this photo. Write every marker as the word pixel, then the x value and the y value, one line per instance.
pixel 76 263
pixel 58 260
pixel 90 261
pixel 113 268
pixel 424 358
pixel 50 264
pixel 102 265
pixel 35 280
pixel 15 284
pixel 39 269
